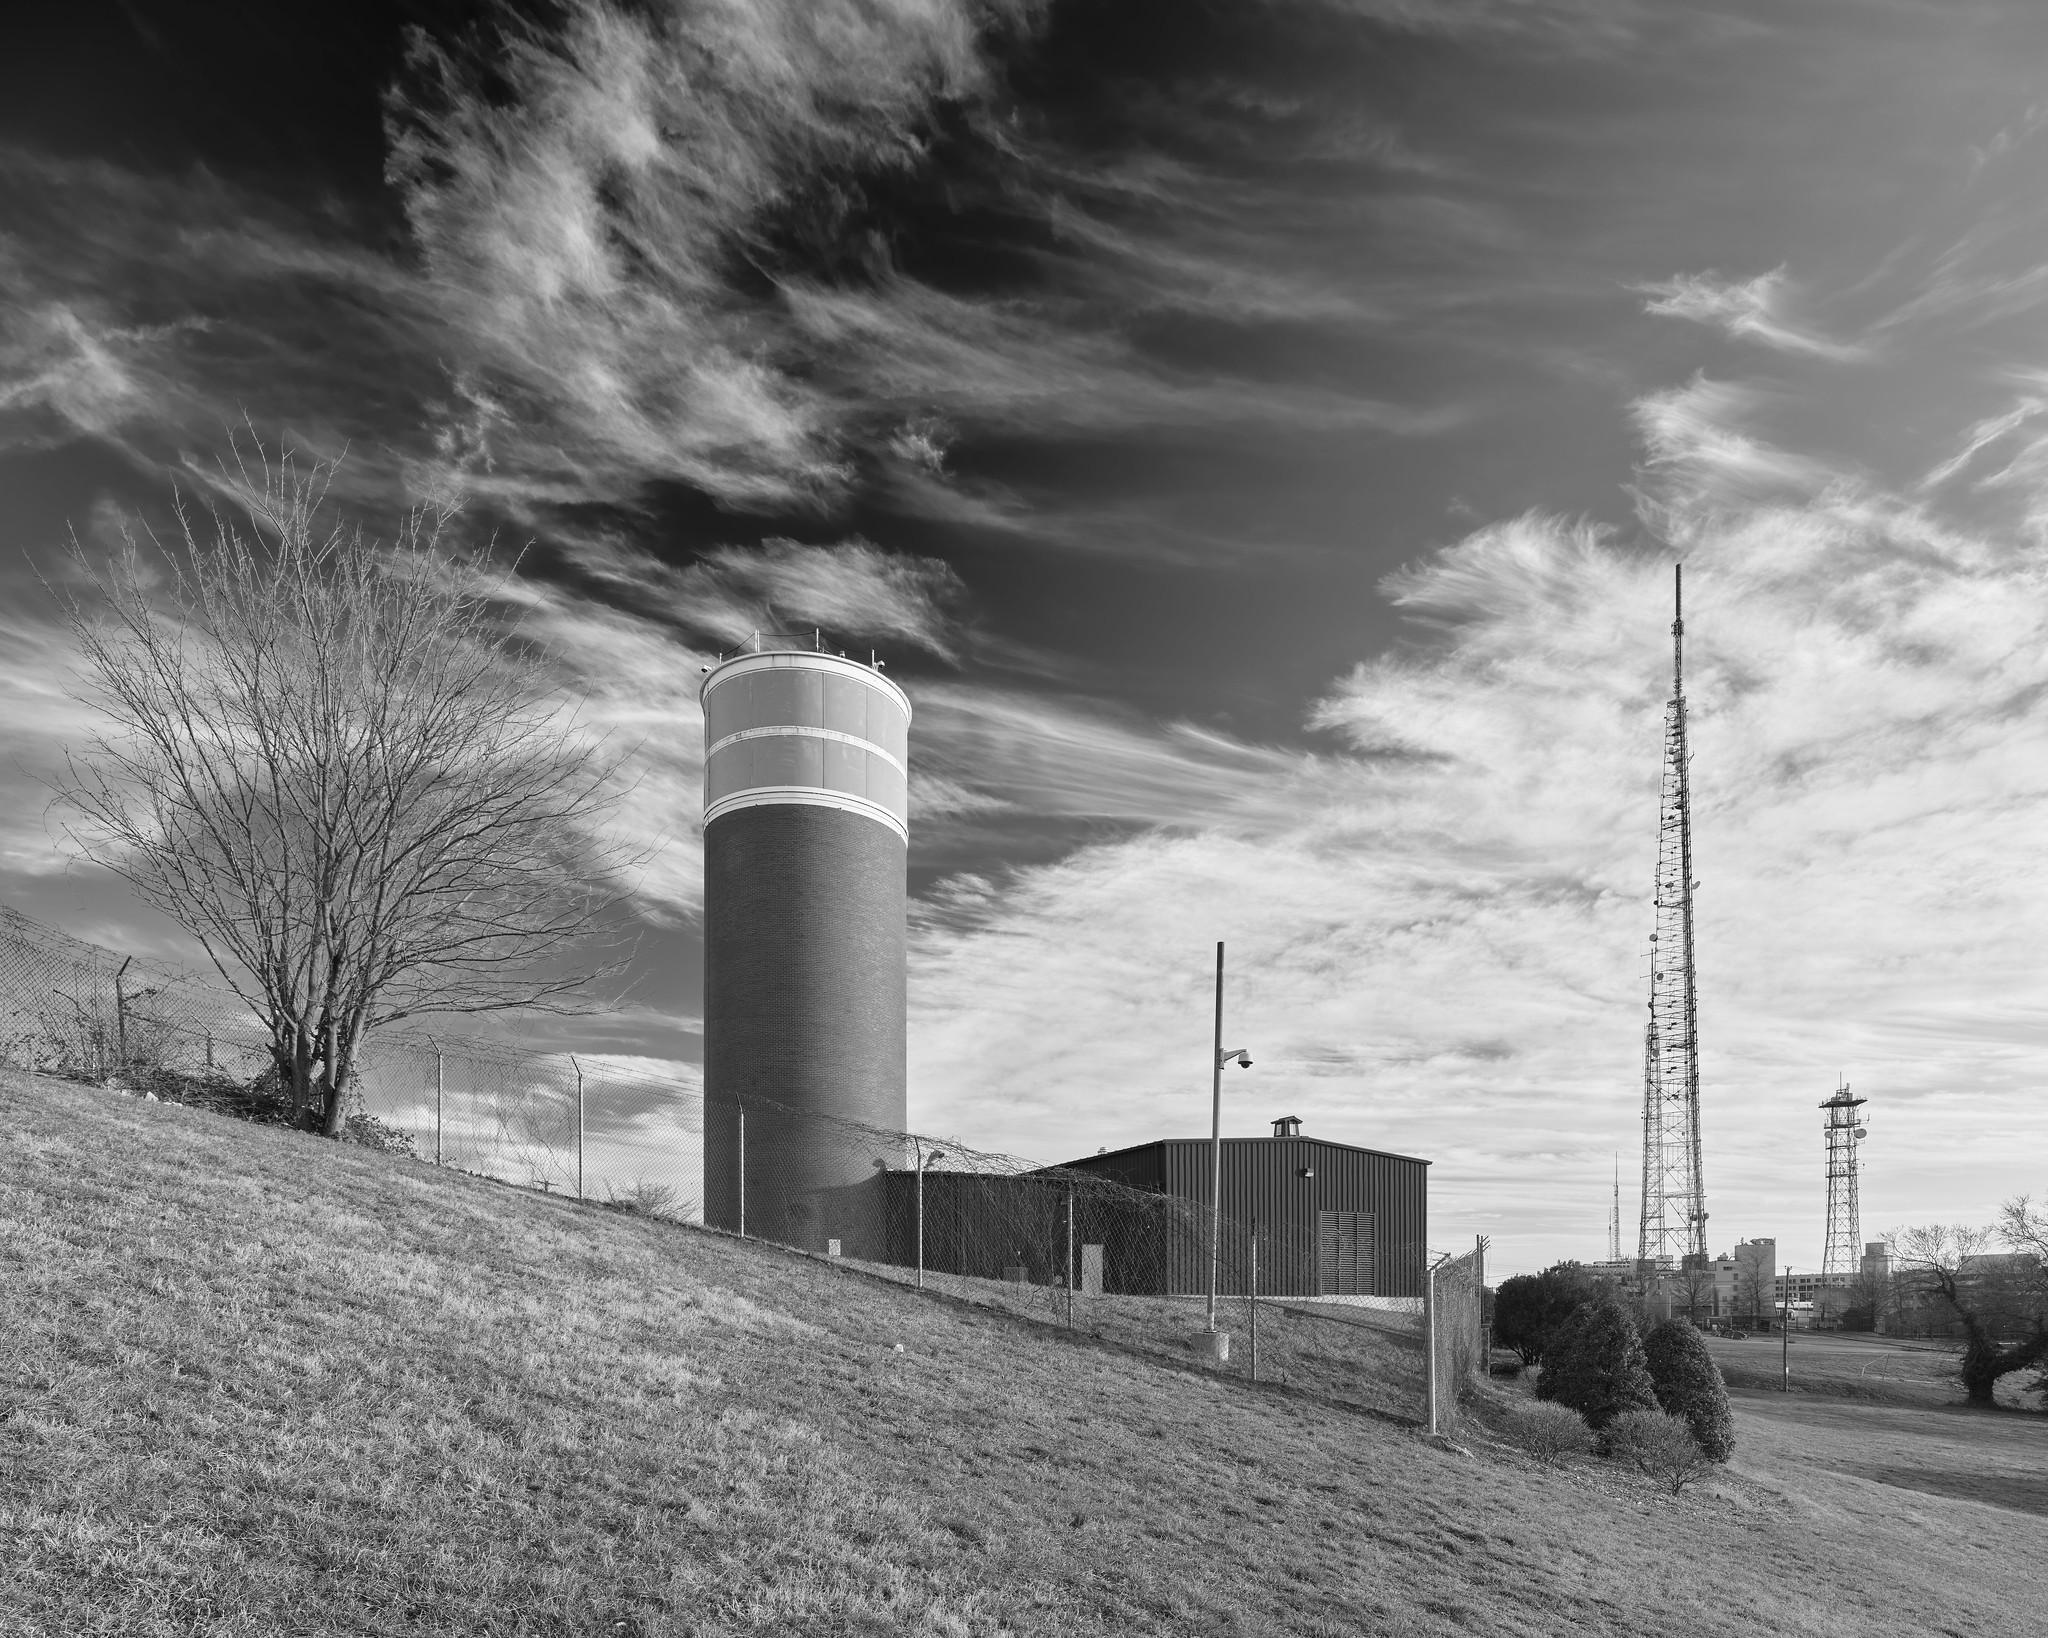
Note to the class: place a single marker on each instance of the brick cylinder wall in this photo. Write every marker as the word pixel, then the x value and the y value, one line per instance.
pixel 804 1008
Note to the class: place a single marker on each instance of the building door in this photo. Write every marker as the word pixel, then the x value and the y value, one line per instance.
pixel 1344 1253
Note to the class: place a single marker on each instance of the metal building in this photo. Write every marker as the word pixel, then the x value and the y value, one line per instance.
pixel 1334 1219
pixel 806 829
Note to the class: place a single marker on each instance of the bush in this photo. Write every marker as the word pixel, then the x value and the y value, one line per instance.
pixel 1529 1308
pixel 643 1198
pixel 1688 1384
pixel 1595 1365
pixel 1551 1432
pixel 260 1100
pixel 1659 1445
pixel 372 1133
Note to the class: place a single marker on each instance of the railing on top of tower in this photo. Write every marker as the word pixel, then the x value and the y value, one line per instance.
pixel 795 642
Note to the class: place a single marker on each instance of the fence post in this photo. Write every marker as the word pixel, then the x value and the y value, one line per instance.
pixel 440 1098
pixel 1070 1256
pixel 1479 1316
pixel 1429 1348
pixel 121 1014
pixel 1255 1299
pixel 920 1216
pixel 573 1064
pixel 743 1171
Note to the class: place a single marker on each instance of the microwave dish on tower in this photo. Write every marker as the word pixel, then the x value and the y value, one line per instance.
pixel 1843 1132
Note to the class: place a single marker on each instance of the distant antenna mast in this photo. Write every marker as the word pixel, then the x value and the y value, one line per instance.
pixel 1844 1131
pixel 1614 1217
pixel 1674 1222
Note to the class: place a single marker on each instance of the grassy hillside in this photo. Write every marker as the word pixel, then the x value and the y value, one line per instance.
pixel 252 1384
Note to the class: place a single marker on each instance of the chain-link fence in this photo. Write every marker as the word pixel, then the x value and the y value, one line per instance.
pixel 1067 1245
pixel 1138 1267
pixel 1455 1326
pixel 562 1122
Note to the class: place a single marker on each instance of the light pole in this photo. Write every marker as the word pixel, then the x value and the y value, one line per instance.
pixel 1218 1059
pixel 923 1160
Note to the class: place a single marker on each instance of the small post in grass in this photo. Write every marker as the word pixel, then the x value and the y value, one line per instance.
pixel 440 1100
pixel 743 1171
pixel 573 1064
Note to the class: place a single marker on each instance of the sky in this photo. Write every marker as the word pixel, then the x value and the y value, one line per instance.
pixel 1257 435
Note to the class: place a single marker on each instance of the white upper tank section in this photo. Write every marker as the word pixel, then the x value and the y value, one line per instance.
pixel 806 727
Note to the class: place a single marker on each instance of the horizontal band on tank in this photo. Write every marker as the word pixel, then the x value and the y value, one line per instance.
pixel 805 796
pixel 809 732
pixel 801 659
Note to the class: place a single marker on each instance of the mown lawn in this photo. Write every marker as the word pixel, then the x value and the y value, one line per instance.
pixel 253 1384
pixel 1870 1369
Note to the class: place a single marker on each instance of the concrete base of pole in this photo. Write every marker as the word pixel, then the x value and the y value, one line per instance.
pixel 1214 1345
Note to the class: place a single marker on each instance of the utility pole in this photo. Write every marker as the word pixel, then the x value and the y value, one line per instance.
pixel 1785 1334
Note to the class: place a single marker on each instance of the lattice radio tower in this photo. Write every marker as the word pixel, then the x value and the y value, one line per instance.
pixel 1674 1223
pixel 1844 1131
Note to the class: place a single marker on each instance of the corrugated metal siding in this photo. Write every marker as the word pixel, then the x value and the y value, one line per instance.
pixel 1261 1179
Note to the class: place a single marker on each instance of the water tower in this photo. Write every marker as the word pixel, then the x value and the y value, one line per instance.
pixel 806 828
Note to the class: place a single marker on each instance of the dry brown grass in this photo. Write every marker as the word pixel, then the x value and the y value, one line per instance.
pixel 253 1384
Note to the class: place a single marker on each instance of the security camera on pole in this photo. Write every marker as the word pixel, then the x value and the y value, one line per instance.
pixel 1219 1341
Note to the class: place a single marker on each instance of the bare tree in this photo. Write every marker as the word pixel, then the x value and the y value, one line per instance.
pixel 1756 1287
pixel 1950 1259
pixel 2024 1226
pixel 1692 1288
pixel 331 761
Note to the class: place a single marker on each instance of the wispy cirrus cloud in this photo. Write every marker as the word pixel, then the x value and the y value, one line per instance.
pixel 598 207
pixel 1758 309
pixel 1698 445
pixel 852 589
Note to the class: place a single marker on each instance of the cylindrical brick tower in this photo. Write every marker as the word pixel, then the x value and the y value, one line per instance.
pixel 806 827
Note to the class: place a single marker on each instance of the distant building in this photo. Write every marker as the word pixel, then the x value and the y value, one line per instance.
pixel 1745 1281
pixel 1799 1288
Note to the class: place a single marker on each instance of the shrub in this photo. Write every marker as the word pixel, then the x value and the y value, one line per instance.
pixel 1551 1432
pixel 371 1133
pixel 1659 1445
pixel 1688 1384
pixel 1529 1308
pixel 1595 1364
pixel 643 1198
